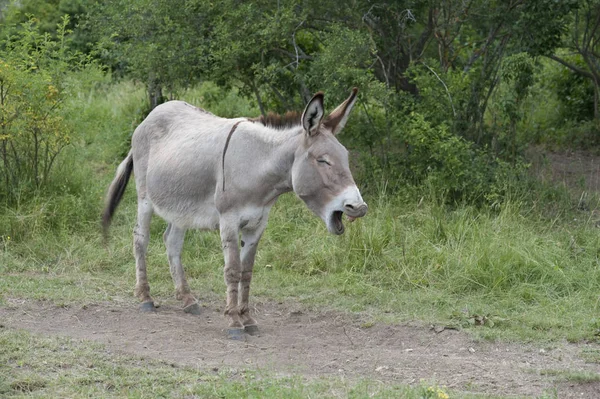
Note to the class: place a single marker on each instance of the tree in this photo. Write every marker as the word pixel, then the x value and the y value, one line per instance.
pixel 160 43
pixel 583 40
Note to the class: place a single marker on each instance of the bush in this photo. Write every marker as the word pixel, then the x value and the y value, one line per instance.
pixel 423 156
pixel 575 92
pixel 33 129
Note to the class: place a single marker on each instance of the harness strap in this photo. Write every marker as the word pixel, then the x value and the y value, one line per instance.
pixel 225 149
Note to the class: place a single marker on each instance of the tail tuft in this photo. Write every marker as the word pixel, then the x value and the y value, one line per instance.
pixel 116 191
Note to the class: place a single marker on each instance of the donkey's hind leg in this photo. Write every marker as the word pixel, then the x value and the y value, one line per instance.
pixel 141 236
pixel 174 237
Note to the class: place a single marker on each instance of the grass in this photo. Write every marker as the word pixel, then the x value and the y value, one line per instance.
pixel 590 355
pixel 529 279
pixel 580 377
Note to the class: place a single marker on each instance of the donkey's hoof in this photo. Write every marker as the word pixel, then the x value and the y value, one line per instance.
pixel 194 309
pixel 147 307
pixel 236 334
pixel 251 329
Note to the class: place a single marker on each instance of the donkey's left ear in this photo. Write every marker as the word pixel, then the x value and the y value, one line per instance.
pixel 337 119
pixel 313 114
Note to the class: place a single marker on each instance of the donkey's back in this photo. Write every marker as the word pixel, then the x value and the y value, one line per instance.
pixel 176 128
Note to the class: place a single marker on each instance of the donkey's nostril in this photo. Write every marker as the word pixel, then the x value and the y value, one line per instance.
pixel 357 210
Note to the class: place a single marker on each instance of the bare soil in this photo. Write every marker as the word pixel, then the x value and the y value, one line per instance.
pixel 314 344
pixel 578 170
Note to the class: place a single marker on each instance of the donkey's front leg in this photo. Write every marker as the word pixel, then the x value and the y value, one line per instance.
pixel 233 273
pixel 250 238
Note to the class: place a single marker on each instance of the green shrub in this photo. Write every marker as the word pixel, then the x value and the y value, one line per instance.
pixel 33 129
pixel 575 92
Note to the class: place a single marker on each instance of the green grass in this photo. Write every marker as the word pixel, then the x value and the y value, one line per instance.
pixel 532 279
pixel 590 355
pixel 41 367
pixel 580 377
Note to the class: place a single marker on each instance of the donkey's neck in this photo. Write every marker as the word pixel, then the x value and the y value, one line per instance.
pixel 278 149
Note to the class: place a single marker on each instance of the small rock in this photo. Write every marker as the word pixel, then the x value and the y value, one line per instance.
pixel 472 350
pixel 439 329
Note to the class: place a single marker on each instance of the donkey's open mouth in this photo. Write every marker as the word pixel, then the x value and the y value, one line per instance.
pixel 336 222
pixel 335 219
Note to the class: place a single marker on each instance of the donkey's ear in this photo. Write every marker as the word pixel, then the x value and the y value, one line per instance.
pixel 337 119
pixel 313 114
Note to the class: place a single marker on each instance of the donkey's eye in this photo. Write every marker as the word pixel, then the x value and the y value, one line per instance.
pixel 323 161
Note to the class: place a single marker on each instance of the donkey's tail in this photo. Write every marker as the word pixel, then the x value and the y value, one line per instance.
pixel 116 191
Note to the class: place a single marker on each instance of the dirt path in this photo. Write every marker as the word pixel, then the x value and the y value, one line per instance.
pixel 294 340
pixel 578 170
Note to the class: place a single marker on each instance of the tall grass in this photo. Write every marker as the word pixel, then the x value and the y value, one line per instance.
pixel 527 268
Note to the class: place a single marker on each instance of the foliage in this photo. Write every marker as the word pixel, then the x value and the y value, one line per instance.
pixel 445 85
pixel 160 43
pixel 575 92
pixel 583 40
pixel 558 112
pixel 443 160
pixel 33 87
pixel 465 64
pixel 507 111
pixel 49 16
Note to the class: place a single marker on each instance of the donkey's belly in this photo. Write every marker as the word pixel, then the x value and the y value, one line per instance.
pixel 184 199
pixel 201 216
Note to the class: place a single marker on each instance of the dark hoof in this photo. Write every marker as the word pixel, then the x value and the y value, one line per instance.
pixel 251 330
pixel 236 334
pixel 194 308
pixel 148 307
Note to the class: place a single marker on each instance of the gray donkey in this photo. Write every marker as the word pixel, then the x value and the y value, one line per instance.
pixel 193 171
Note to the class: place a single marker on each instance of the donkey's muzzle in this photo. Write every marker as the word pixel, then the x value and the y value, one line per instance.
pixel 356 210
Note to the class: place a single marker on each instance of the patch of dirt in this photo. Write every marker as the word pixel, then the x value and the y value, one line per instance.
pixel 578 170
pixel 294 340
pixel 584 390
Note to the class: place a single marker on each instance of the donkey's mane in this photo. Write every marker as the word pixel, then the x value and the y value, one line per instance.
pixel 276 121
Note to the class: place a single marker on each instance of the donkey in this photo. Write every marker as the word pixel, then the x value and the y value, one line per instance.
pixel 193 171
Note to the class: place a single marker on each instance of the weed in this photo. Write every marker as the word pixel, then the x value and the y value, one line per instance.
pixel 572 375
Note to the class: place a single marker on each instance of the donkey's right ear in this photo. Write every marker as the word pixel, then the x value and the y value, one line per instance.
pixel 313 114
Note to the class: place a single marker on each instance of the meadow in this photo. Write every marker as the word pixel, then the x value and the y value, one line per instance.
pixel 522 271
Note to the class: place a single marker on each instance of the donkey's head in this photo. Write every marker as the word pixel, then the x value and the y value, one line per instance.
pixel 321 174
